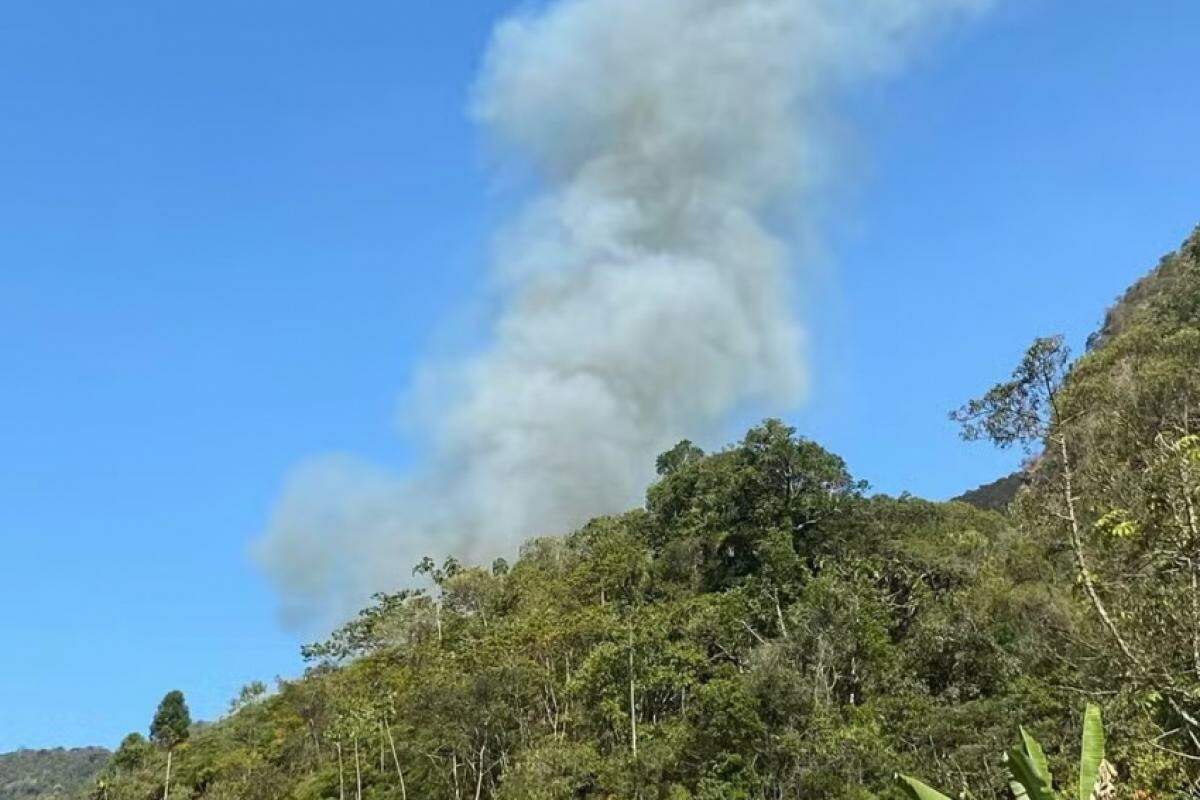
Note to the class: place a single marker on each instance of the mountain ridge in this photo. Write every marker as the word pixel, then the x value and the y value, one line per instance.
pixel 50 773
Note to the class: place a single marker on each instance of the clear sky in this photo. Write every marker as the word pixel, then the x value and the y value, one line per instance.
pixel 228 231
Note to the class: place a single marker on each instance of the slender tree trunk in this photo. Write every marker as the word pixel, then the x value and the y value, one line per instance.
pixel 1193 536
pixel 633 735
pixel 396 759
pixel 783 631
pixel 567 698
pixel 316 741
pixel 341 774
pixel 1195 598
pixel 357 773
pixel 479 775
pixel 167 783
pixel 1085 576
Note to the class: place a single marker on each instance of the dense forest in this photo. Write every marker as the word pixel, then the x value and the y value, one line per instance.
pixel 57 774
pixel 765 627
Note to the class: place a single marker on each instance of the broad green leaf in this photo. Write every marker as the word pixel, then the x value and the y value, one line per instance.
pixel 1037 757
pixel 1117 523
pixel 1091 751
pixel 917 790
pixel 1029 775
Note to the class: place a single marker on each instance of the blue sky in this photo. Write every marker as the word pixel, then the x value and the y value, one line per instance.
pixel 229 231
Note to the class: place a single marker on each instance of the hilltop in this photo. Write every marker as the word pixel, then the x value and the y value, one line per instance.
pixel 763 626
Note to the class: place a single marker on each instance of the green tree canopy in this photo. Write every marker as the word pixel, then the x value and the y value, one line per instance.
pixel 172 721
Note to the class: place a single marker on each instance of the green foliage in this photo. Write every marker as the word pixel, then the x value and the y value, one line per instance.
pixel 916 790
pixel 762 628
pixel 171 722
pixel 1030 769
pixel 49 774
pixel 134 753
pixel 1022 410
pixel 1091 751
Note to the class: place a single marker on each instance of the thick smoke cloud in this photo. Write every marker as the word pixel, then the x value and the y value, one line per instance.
pixel 643 298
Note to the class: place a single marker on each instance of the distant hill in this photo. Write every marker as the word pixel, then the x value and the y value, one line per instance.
pixel 57 774
pixel 994 496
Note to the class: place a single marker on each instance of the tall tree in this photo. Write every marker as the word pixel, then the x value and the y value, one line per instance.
pixel 170 728
pixel 1025 410
pixel 1117 437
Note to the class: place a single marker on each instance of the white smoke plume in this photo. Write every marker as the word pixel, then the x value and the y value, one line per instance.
pixel 643 298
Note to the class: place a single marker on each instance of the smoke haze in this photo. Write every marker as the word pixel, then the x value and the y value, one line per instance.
pixel 643 299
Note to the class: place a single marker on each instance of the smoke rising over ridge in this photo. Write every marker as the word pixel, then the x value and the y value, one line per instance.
pixel 643 298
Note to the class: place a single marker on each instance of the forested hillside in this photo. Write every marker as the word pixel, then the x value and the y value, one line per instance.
pixel 997 495
pixel 49 774
pixel 765 627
